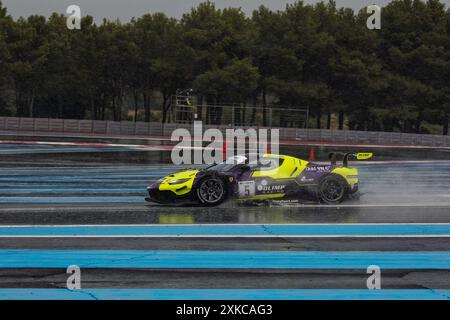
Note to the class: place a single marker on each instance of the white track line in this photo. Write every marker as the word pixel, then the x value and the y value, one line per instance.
pixel 62 209
pixel 218 236
pixel 284 143
pixel 221 224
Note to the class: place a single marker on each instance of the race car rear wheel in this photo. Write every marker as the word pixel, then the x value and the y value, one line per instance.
pixel 211 191
pixel 332 189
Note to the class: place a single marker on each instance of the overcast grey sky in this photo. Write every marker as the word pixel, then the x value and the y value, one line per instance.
pixel 126 9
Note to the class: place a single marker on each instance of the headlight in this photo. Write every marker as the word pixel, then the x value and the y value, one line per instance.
pixel 180 181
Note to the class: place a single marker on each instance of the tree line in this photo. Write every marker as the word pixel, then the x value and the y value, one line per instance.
pixel 393 79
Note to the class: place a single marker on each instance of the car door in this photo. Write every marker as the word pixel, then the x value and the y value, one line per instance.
pixel 271 179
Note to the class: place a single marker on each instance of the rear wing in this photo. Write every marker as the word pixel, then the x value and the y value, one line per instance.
pixel 358 156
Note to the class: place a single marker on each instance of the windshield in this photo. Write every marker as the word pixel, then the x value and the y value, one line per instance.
pixel 231 163
pixel 223 167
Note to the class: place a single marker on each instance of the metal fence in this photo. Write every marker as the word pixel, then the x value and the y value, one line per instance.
pixel 238 115
pixel 127 128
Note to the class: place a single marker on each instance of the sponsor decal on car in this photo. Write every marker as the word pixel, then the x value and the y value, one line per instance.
pixel 306 180
pixel 318 169
pixel 264 187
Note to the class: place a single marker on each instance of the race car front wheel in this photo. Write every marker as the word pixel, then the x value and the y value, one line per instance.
pixel 332 189
pixel 211 191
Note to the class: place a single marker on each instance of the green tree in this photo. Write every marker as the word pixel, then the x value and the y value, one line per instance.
pixel 393 79
pixel 5 23
pixel 415 39
pixel 29 50
pixel 270 53
pixel 217 37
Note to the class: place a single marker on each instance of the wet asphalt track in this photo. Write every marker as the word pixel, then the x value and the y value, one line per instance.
pixel 92 214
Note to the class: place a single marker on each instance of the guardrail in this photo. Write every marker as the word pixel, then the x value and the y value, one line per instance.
pixel 128 128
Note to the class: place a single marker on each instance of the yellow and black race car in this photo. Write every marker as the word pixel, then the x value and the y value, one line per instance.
pixel 272 177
